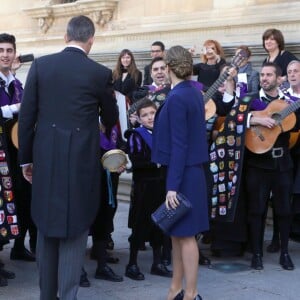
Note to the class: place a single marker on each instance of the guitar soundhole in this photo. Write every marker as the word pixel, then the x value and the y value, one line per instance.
pixel 276 117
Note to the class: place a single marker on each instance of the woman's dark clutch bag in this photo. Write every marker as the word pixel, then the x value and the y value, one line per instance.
pixel 167 218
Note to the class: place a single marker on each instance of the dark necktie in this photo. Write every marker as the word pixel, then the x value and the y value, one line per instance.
pixel 11 89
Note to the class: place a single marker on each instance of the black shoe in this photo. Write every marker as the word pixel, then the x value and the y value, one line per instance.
pixel 84 281
pixel 256 262
pixel 161 270
pixel 203 260
pixel 198 297
pixel 23 254
pixel 7 274
pixel 179 296
pixel 286 262
pixel 134 272
pixel 273 247
pixel 107 273
pixel 3 281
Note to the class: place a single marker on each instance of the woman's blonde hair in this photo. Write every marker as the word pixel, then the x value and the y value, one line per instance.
pixel 180 61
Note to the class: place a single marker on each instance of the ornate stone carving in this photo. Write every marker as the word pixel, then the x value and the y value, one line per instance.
pixel 102 17
pixel 101 11
pixel 45 23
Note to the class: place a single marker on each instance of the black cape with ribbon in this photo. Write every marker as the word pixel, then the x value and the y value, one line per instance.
pixel 226 162
pixel 9 228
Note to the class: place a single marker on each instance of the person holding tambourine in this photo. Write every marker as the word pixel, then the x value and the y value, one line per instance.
pixel 103 226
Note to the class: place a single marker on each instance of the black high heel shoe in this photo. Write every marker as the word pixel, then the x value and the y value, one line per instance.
pixel 198 297
pixel 179 296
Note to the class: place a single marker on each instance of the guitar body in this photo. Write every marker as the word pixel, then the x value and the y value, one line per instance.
pixel 260 139
pixel 210 109
pixel 294 136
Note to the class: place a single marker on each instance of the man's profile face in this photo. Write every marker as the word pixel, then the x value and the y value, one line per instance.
pixel 7 56
pixel 159 72
pixel 293 73
pixel 268 78
pixel 156 51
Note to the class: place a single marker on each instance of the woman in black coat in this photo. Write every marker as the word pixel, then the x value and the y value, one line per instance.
pixel 126 76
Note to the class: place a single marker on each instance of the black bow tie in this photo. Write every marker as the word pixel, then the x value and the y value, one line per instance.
pixel 2 83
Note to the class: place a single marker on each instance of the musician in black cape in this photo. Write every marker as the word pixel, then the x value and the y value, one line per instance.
pixel 269 172
pixel 228 234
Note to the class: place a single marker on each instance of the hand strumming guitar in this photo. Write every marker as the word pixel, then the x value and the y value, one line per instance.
pixel 263 121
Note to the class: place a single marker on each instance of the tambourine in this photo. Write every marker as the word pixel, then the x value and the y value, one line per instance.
pixel 112 160
pixel 14 135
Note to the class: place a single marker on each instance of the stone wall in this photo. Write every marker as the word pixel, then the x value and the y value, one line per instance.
pixel 39 25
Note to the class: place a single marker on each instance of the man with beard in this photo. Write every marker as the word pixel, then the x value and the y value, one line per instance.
pixel 269 172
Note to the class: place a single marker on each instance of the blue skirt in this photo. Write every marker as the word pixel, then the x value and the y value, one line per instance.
pixel 193 186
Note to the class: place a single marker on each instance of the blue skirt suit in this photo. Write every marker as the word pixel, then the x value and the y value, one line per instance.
pixel 179 143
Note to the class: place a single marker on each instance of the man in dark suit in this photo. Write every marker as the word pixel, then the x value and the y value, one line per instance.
pixel 59 136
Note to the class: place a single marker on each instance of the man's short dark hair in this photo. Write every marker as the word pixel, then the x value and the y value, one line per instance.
pixel 278 70
pixel 154 60
pixel 8 38
pixel 159 44
pixel 80 29
pixel 144 103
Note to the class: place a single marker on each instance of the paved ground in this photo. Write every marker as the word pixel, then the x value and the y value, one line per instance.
pixel 272 283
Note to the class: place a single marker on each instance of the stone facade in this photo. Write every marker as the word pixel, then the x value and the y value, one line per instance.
pixel 39 25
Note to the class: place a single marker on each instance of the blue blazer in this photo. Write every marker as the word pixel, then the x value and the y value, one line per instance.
pixel 179 135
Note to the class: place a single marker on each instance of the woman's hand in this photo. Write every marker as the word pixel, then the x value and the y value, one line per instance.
pixel 171 200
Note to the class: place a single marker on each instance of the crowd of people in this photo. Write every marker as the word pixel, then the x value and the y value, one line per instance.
pixel 243 159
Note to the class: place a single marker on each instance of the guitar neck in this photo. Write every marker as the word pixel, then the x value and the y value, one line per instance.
pixel 211 91
pixel 134 106
pixel 289 109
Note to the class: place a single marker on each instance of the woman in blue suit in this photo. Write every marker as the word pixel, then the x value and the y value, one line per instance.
pixel 179 143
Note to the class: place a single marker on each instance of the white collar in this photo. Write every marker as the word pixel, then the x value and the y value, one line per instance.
pixel 10 78
pixel 263 94
pixel 76 46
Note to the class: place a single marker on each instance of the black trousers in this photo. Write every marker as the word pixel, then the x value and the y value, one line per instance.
pixel 259 184
pixel 104 225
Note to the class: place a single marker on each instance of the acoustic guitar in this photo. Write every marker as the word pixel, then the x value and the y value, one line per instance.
pixel 260 139
pixel 294 137
pixel 14 135
pixel 210 106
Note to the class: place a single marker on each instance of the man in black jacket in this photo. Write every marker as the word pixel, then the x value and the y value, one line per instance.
pixel 59 139
pixel 270 172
